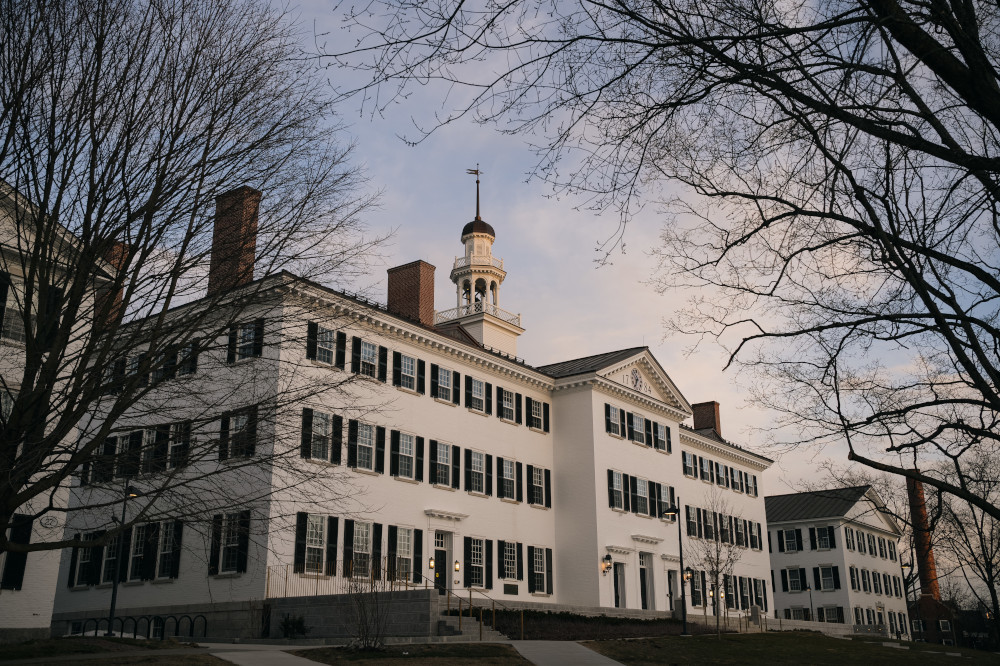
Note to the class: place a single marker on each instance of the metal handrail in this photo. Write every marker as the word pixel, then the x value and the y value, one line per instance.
pixel 477 308
pixel 450 593
pixel 478 260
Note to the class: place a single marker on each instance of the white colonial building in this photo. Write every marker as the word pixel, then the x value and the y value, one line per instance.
pixel 423 438
pixel 834 558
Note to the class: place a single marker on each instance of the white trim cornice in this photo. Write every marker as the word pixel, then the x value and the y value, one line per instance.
pixel 644 538
pixel 727 450
pixel 619 550
pixel 441 514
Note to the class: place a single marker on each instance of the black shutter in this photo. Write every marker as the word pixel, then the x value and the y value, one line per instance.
pixel 488 576
pixel 182 445
pixel 243 544
pixel 651 503
pixel 161 448
pixel 352 443
pixel 520 561
pixel 383 363
pixel 420 377
pixel 190 362
pixel 817 581
pixel 390 551
pixel 397 370
pixel 468 469
pixel 301 526
pixel 258 337
pixel 468 391
pixel 649 433
pixel 548 489
pixel 812 538
pixel 548 571
pixel 501 561
pixel 434 381
pixel 829 532
pixel 798 539
pixel 338 438
pixel 528 411
pixel 74 556
pixel 803 579
pixel 836 578
pixel 129 465
pixel 629 426
pixel 607 417
pixel 418 467
pixel 532 493
pixel 331 546
pixel 355 354
pixel 213 556
pixel 348 568
pixel 312 336
pixel 500 491
pixel 339 359
pixel 393 453
pixel 432 455
pixel 517 409
pixel 626 495
pixel 418 555
pixel 545 416
pixel 231 350
pixel 467 555
pixel 517 482
pixel 611 488
pixel 224 438
pixel 621 422
pixel 488 397
pixel 781 540
pixel 633 484
pixel 305 448
pixel 175 558
pixel 499 403
pixel 456 466
pixel 13 570
pixel 250 437
pixel 380 449
pixel 149 551
pixel 93 575
pixel 531 569
pixel 489 475
pixel 4 288
pixel 456 383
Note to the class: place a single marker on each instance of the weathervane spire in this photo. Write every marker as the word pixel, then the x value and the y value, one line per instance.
pixel 476 172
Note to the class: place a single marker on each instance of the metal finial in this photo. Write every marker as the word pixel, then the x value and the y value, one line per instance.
pixel 476 172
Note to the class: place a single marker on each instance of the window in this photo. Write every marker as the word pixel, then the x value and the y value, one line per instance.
pixel 892 551
pixel 736 480
pixel 326 345
pixel 822 538
pixel 140 535
pixel 322 430
pixel 442 471
pixel 791 541
pixel 895 586
pixel 826 578
pixel 509 560
pixel 535 415
pixel 476 563
pixel 405 455
pixel 687 462
pixel 13 317
pixel 614 421
pixel 360 566
pixel 866 581
pixel 366 446
pixel 408 372
pixel 859 617
pixel 476 395
pixel 871 545
pixel 507 479
pixel 404 553
pixel 861 541
pixel 369 358
pixel 245 343
pixel 944 625
pixel 637 433
pixel 642 497
pixel 315 543
pixel 720 474
pixel 661 437
pixel 169 550
pixel 187 362
pixel 444 384
pixel 616 490
pixel 887 584
pixel 881 548
pixel 506 405
pixel 230 543
pixel 538 569
pixel 706 470
pixel 242 433
pixel 109 568
pixel 536 487
pixel 794 581
pixel 477 466
pixel 849 538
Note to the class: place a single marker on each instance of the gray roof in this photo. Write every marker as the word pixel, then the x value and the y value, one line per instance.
pixel 834 502
pixel 580 366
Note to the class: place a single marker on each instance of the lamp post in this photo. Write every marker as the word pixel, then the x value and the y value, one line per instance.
pixel 675 511
pixel 908 579
pixel 128 492
pixel 809 588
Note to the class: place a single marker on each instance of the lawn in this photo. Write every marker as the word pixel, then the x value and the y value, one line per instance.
pixel 778 648
pixel 435 654
pixel 69 645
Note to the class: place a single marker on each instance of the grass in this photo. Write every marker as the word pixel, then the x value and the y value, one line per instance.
pixel 778 648
pixel 435 654
pixel 543 625
pixel 70 645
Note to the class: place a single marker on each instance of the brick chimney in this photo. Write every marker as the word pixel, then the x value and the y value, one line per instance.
pixel 234 241
pixel 117 257
pixel 411 291
pixel 922 540
pixel 706 415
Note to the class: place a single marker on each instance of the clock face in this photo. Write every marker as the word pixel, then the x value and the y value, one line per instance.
pixel 636 378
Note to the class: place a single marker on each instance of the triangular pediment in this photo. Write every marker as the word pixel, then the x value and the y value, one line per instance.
pixel 643 374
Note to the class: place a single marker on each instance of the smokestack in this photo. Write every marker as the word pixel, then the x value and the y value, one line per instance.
pixel 107 300
pixel 234 241
pixel 922 539
pixel 411 291
pixel 706 415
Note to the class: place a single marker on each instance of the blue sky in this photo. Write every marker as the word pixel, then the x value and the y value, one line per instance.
pixel 569 306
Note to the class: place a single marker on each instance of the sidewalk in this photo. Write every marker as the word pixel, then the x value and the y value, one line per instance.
pixel 559 653
pixel 258 655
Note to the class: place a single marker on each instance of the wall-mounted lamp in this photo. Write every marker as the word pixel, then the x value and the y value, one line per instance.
pixel 606 564
pixel 457 565
pixel 430 563
pixel 688 573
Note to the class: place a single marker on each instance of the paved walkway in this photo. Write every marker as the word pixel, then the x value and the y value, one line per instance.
pixel 559 653
pixel 258 655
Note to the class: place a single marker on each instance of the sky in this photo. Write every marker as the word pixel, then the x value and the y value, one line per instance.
pixel 570 307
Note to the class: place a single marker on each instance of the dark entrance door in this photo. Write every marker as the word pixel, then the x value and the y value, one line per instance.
pixel 619 573
pixel 441 570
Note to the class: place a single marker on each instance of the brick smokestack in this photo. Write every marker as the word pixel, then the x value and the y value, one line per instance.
pixel 706 415
pixel 411 291
pixel 107 300
pixel 922 539
pixel 234 241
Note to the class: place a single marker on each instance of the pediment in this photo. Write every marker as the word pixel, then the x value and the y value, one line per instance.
pixel 643 374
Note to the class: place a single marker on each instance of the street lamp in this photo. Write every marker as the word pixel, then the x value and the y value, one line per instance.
pixel 908 579
pixel 128 491
pixel 606 563
pixel 675 511
pixel 809 588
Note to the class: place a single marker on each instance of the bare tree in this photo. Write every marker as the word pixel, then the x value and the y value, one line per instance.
pixel 121 124
pixel 719 552
pixel 838 169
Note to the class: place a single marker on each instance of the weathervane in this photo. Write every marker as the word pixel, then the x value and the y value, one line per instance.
pixel 476 172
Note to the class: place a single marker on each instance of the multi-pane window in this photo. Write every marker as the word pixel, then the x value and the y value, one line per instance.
pixel 166 550
pixel 536 491
pixel 826 578
pixel 861 541
pixel 477 464
pixel 230 542
pixel 871 545
pixel 322 429
pixel 140 534
pixel 326 345
pixel 866 580
pixel 13 320
pixel 642 497
pixel 241 434
pixel 246 337
pixel 408 372
pixel 638 433
pixel 506 405
pixel 876 583
pixel 369 358
pixel 881 548
pixel 794 582
pixel 661 434
pixel 477 390
pixel 361 564
pixel 895 586
pixel 406 455
pixel 507 478
pixel 476 566
pixel 366 446
pixel 110 566
pixel 442 472
pixel 444 384
pixel 822 537
pixel 892 551
pixel 315 543
pixel 535 417
pixel 706 469
pixel 849 538
pixel 404 553
pixel 692 522
pixel 616 490
pixel 720 474
pixel 687 461
pixel 614 421
pixel 509 559
pixel 791 541
pixel 538 569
